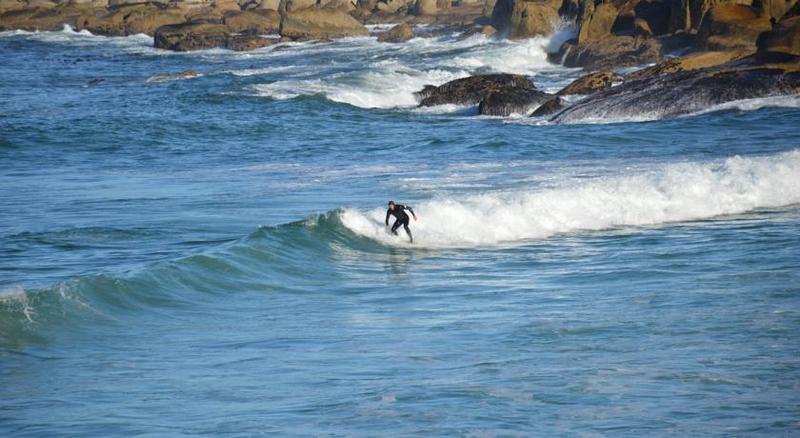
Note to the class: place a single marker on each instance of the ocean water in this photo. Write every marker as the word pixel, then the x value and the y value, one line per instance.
pixel 206 255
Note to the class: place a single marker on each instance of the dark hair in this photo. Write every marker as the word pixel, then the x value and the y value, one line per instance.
pixel 391 202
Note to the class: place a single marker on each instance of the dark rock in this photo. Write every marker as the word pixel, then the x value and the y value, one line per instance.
pixel 471 90
pixel 398 34
pixel 509 101
pixel 685 92
pixel 552 106
pixel 591 83
pixel 191 36
pixel 242 43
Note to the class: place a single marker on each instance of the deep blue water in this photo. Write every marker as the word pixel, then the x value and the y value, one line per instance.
pixel 206 255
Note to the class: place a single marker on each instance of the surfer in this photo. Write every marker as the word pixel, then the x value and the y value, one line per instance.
pixel 401 218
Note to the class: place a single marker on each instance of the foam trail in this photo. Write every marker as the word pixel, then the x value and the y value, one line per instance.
pixel 678 192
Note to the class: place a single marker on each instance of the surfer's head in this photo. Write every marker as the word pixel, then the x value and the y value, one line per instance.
pixel 391 205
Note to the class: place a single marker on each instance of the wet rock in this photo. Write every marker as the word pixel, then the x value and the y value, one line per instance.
pixel 191 36
pixel 398 34
pixel 685 92
pixel 241 43
pixel 425 7
pixel 320 24
pixel 508 101
pixel 552 106
pixel 471 90
pixel 591 83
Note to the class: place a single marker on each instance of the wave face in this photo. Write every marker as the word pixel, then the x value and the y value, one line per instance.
pixel 680 192
pixel 275 258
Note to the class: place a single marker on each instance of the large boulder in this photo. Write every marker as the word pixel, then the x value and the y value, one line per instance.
pixel 191 36
pixel 532 18
pixel 525 18
pixel 392 6
pixel 242 43
pixel 131 19
pixel 699 8
pixel 471 90
pixel 686 92
pixel 552 106
pixel 591 83
pixel 38 18
pixel 784 38
pixel 296 5
pixel 693 61
pixel 256 21
pixel 729 27
pixel 610 52
pixel 508 101
pixel 777 9
pixel 398 34
pixel 425 7
pixel 597 25
pixel 320 24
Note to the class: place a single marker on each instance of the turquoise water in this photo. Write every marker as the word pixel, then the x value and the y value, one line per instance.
pixel 206 255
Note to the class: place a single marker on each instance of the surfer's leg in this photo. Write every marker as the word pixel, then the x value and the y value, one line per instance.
pixel 408 231
pixel 395 226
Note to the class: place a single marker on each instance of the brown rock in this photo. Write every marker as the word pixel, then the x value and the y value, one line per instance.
pixel 131 19
pixel 425 7
pixel 699 8
pixel 530 19
pixel 257 21
pixel 732 27
pixel 590 83
pixel 611 52
pixel 598 25
pixel 398 34
pixel 191 36
pixel 784 38
pixel 320 24
pixel 685 63
pixel 296 5
pixel 43 18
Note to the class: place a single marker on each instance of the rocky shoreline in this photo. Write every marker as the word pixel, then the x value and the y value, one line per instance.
pixel 701 52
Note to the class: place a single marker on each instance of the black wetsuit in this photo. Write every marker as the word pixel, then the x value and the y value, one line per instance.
pixel 401 218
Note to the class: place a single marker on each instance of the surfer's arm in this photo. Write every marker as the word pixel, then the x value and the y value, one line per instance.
pixel 388 212
pixel 412 212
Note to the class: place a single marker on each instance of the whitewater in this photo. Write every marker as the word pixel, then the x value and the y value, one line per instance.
pixel 194 243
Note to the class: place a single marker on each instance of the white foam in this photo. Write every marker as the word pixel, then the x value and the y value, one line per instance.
pixel 385 85
pixel 388 75
pixel 755 104
pixel 677 192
